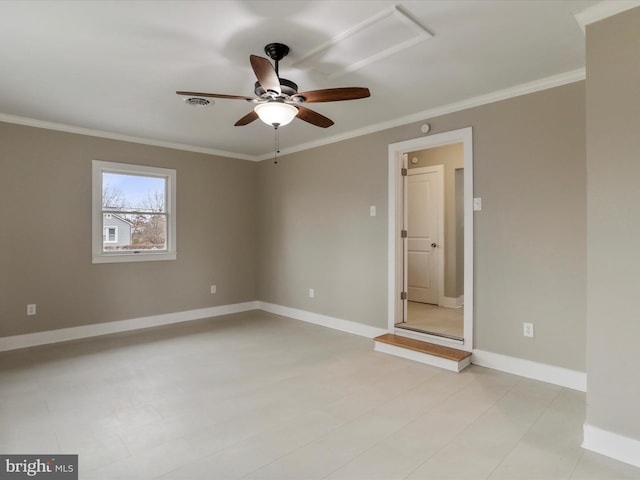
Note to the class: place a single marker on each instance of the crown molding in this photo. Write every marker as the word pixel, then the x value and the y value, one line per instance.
pixel 603 10
pixel 30 122
pixel 505 94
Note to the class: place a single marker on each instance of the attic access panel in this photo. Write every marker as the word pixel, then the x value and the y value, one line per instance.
pixel 384 34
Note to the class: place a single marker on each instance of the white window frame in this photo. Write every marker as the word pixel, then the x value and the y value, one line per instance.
pixel 106 234
pixel 98 254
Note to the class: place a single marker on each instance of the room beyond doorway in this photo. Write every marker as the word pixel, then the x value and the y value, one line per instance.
pixel 442 321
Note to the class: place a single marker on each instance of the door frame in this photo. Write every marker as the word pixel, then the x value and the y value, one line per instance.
pixel 396 219
pixel 440 251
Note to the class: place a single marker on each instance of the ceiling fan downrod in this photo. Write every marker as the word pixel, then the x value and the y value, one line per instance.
pixel 276 51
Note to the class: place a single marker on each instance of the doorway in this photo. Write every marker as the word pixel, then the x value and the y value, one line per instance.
pixel 435 231
pixel 430 259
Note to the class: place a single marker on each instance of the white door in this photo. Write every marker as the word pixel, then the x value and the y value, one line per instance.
pixel 425 210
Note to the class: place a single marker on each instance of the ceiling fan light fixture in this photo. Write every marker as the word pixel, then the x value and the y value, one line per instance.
pixel 276 113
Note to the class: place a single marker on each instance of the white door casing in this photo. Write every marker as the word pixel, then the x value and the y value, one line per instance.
pixel 425 242
pixel 396 306
pixel 404 266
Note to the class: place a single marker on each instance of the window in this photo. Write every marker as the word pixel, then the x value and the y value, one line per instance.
pixel 133 213
pixel 110 234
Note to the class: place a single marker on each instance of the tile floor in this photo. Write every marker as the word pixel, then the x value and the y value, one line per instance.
pixel 258 396
pixel 434 319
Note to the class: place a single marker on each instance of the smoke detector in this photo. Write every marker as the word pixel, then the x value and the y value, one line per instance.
pixel 197 101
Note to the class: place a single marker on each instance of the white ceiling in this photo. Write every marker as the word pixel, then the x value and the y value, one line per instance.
pixel 113 66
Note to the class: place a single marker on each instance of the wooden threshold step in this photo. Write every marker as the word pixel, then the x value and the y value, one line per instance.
pixel 424 352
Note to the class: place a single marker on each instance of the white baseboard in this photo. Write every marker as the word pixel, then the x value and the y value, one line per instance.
pixel 86 331
pixel 452 302
pixel 619 447
pixel 525 368
pixel 539 371
pixel 323 320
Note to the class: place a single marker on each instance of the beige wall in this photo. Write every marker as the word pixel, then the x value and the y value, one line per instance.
pixel 45 239
pixel 529 168
pixel 316 232
pixel 271 232
pixel 613 165
pixel 451 157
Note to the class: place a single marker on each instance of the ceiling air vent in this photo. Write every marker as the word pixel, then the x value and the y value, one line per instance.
pixel 197 101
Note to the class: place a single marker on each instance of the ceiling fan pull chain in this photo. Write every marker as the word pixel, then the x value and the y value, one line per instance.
pixel 277 143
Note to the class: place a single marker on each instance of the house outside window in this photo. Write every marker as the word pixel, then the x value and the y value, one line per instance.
pixel 133 213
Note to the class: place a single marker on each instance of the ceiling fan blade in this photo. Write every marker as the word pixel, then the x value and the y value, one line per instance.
pixel 333 94
pixel 313 118
pixel 215 95
pixel 265 73
pixel 248 118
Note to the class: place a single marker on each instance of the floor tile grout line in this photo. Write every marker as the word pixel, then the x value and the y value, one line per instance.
pixel 362 414
pixel 255 434
pixel 515 445
pixel 575 466
pixel 393 433
pixel 323 435
pixel 438 450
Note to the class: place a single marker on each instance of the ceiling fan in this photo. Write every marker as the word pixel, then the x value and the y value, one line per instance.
pixel 277 101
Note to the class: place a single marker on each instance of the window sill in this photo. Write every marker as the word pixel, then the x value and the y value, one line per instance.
pixel 133 257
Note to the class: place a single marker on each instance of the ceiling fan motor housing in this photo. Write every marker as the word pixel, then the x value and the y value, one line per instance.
pixel 287 86
pixel 277 51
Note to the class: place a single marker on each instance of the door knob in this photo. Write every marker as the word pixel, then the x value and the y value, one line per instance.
pixel 434 245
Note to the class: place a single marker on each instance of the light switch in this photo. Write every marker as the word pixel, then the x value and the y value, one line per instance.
pixel 372 210
pixel 477 204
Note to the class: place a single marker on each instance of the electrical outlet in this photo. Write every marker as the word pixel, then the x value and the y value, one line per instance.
pixel 312 293
pixel 213 289
pixel 527 329
pixel 31 309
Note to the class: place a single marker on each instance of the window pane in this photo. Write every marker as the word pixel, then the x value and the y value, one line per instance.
pixel 121 192
pixel 128 231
